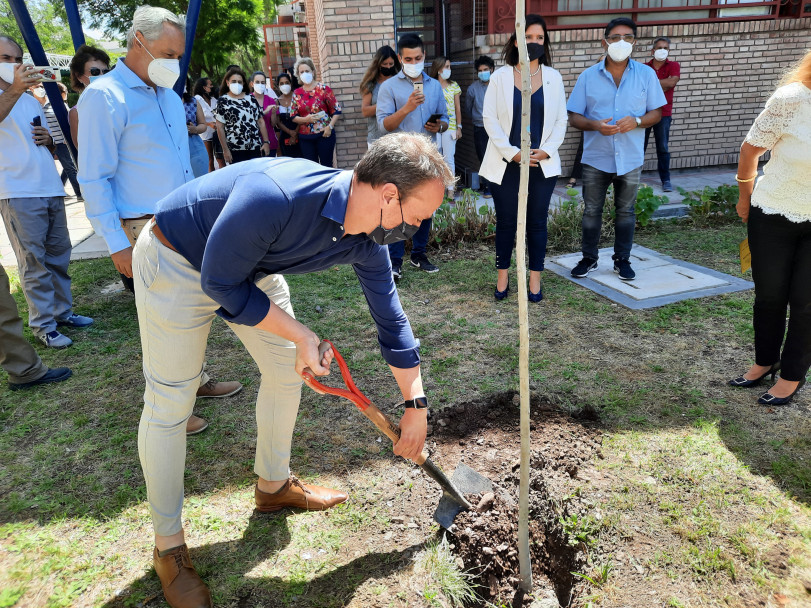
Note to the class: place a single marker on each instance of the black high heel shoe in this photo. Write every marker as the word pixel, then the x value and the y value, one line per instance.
pixel 535 297
pixel 769 399
pixel 500 295
pixel 742 382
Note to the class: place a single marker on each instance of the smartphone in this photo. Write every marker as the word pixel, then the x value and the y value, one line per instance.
pixel 434 117
pixel 46 72
pixel 37 122
pixel 418 87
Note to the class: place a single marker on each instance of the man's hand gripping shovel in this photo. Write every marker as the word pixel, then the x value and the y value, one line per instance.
pixel 465 479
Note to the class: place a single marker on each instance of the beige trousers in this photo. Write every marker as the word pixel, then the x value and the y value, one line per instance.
pixel 175 315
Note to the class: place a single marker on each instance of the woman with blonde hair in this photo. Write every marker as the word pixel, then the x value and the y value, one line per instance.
pixel 385 64
pixel 777 210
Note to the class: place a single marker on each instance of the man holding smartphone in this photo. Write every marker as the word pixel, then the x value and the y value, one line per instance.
pixel 412 102
pixel 32 203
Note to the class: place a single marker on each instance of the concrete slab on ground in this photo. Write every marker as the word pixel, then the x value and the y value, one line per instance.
pixel 660 279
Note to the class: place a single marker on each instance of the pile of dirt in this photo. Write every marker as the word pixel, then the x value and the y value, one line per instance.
pixel 487 539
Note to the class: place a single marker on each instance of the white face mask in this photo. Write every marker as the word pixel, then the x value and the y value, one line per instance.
pixel 306 77
pixel 445 74
pixel 39 91
pixel 162 72
pixel 235 88
pixel 413 70
pixel 259 88
pixel 7 71
pixel 660 54
pixel 285 88
pixel 620 50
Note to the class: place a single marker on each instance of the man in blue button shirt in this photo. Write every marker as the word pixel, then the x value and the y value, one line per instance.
pixel 408 102
pixel 613 102
pixel 134 147
pixel 218 246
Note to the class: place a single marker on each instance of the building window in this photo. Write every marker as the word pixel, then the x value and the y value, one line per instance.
pixel 420 17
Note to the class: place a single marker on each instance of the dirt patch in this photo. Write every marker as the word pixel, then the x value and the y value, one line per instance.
pixel 486 434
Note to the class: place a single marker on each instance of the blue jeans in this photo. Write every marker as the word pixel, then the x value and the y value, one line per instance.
pixel 661 132
pixel 198 155
pixel 418 244
pixel 595 186
pixel 318 148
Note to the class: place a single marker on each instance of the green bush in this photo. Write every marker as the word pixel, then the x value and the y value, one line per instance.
pixel 647 203
pixel 565 225
pixel 464 221
pixel 711 203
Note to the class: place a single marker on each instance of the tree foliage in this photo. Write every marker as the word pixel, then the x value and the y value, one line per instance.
pixel 227 30
pixel 52 28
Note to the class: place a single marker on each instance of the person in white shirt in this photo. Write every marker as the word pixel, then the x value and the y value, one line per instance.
pixel 32 202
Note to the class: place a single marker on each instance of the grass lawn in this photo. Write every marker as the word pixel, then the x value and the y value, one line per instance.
pixel 702 494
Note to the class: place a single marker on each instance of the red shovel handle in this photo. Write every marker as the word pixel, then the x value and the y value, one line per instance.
pixel 351 391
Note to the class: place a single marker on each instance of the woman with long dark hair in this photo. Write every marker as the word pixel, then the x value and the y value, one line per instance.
pixel 240 127
pixel 283 121
pixel 385 64
pixel 202 93
pixel 501 164
pixel 777 210
pixel 87 64
pixel 446 140
pixel 195 126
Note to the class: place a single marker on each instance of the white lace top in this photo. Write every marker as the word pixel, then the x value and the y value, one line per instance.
pixel 784 127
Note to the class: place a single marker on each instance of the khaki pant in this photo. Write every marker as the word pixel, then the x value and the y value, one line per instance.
pixel 17 356
pixel 175 316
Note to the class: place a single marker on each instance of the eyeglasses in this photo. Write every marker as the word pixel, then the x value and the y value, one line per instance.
pixel 617 37
pixel 9 58
pixel 99 71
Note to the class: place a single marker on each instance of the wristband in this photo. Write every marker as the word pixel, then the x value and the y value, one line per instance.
pixel 745 181
pixel 420 403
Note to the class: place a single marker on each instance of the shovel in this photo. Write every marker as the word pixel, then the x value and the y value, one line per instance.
pixel 465 479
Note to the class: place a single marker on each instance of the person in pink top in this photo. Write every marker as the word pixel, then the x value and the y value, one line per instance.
pixel 267 100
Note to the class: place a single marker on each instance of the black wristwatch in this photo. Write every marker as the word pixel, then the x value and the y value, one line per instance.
pixel 420 403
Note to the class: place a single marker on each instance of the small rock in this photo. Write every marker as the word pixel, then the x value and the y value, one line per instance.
pixel 487 551
pixel 516 399
pixel 415 472
pixel 442 422
pixel 318 309
pixel 411 524
pixel 306 556
pixel 502 548
pixel 480 441
pixel 486 502
pixel 460 563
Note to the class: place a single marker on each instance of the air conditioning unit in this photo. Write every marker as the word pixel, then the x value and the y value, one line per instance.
pixel 300 17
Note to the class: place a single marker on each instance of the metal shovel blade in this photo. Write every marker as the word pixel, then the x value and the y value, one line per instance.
pixel 466 481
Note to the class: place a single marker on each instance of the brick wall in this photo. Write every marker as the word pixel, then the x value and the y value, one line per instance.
pixel 347 34
pixel 728 70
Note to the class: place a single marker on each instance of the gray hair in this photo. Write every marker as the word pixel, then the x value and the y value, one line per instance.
pixel 303 61
pixel 149 21
pixel 406 160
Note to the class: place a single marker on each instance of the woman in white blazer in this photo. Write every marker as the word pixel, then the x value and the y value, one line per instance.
pixel 502 121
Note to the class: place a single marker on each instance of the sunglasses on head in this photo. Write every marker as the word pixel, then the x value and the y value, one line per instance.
pixel 99 71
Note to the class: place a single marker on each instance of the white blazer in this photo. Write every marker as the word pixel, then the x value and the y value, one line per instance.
pixel 498 119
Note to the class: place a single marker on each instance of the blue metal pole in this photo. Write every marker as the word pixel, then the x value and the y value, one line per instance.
pixel 75 23
pixel 191 29
pixel 39 57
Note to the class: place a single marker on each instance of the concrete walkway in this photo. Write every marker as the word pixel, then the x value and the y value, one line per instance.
pixel 87 245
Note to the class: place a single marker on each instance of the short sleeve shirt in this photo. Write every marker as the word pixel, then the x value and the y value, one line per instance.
pixel 239 118
pixel 668 69
pixel 312 102
pixel 450 92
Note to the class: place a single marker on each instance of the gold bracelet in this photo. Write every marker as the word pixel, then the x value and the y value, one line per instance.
pixel 745 181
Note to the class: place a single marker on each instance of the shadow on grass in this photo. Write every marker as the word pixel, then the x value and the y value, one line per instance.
pixel 225 568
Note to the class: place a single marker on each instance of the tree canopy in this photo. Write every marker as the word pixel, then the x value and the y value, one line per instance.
pixel 52 28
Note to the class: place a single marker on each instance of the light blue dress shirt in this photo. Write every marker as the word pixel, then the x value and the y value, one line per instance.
pixel 133 150
pixel 394 94
pixel 596 97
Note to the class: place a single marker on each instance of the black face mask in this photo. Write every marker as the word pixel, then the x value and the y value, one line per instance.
pixel 535 51
pixel 388 71
pixel 403 232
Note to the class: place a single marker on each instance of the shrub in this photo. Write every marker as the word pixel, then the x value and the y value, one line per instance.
pixel 464 221
pixel 647 203
pixel 711 203
pixel 565 225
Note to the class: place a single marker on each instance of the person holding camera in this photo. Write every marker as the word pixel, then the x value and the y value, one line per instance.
pixel 315 110
pixel 32 202
pixel 412 102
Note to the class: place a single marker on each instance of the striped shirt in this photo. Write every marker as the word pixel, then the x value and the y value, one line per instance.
pixel 53 124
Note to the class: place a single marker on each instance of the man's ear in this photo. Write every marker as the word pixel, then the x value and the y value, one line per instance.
pixel 389 193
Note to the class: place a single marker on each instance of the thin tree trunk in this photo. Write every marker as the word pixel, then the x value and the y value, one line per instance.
pixel 523 323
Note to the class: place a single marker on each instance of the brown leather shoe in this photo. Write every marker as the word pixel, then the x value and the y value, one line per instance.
pixel 195 425
pixel 182 586
pixel 212 388
pixel 294 493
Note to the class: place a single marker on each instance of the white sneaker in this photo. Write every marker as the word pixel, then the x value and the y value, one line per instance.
pixel 53 339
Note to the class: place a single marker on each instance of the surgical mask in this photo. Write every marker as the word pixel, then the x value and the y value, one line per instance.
pixel 162 72
pixel 235 88
pixel 259 88
pixel 306 77
pixel 620 50
pixel 39 91
pixel 285 88
pixel 413 70
pixel 660 54
pixel 535 51
pixel 7 71
pixel 92 78
pixel 484 76
pixel 388 71
pixel 445 74
pixel 402 232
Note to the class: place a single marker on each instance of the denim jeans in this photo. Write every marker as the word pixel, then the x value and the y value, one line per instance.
pixel 781 268
pixel 418 244
pixel 661 132
pixel 595 186
pixel 318 149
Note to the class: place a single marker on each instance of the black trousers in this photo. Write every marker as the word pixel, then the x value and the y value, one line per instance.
pixel 781 269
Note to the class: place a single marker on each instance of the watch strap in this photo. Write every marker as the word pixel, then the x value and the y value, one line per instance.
pixel 420 403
